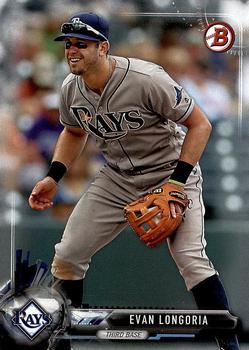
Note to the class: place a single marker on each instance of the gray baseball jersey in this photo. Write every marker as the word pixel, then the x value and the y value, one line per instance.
pixel 134 122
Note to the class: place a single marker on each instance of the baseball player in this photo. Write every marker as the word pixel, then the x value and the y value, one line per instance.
pixel 132 108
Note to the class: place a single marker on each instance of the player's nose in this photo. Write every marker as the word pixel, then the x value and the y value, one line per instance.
pixel 73 49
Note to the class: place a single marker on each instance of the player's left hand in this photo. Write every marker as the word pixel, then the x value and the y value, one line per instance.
pixel 175 209
pixel 43 193
pixel 157 215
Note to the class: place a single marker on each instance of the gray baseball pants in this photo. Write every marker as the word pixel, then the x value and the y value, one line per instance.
pixel 98 218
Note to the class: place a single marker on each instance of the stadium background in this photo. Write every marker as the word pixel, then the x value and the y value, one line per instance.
pixel 31 71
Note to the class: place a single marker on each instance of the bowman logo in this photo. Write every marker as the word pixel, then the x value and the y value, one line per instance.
pixel 219 36
pixel 31 319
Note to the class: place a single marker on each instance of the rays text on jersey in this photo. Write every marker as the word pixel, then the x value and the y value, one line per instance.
pixel 110 125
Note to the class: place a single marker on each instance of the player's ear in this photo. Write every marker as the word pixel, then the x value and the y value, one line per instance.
pixel 104 48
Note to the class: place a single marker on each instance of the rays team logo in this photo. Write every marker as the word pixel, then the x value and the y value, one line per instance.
pixel 110 125
pixel 76 20
pixel 31 319
pixel 178 92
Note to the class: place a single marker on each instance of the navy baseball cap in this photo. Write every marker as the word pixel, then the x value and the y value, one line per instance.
pixel 86 25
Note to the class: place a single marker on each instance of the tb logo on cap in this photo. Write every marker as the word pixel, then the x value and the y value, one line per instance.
pixel 76 20
pixel 219 37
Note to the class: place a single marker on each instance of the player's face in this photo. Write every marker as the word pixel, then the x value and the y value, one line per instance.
pixel 82 55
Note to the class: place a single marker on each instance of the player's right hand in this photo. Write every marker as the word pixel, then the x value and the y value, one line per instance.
pixel 43 193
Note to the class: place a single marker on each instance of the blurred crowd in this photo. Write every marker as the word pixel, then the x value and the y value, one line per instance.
pixel 29 112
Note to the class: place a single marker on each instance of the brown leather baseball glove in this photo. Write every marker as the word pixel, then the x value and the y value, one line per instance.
pixel 150 216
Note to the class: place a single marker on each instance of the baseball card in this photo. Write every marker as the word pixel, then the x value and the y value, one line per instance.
pixel 124 174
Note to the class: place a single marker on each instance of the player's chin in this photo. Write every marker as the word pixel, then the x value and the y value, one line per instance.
pixel 75 69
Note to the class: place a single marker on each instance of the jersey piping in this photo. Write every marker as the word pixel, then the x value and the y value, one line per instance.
pixel 127 69
pixel 202 224
pixel 190 103
pixel 78 85
pixel 107 106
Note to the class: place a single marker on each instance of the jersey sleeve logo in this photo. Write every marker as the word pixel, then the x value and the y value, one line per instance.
pixel 178 92
pixel 110 125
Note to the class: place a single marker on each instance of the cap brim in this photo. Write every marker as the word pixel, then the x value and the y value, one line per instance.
pixel 76 35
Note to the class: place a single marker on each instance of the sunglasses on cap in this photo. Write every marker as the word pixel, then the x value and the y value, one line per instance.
pixel 81 28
